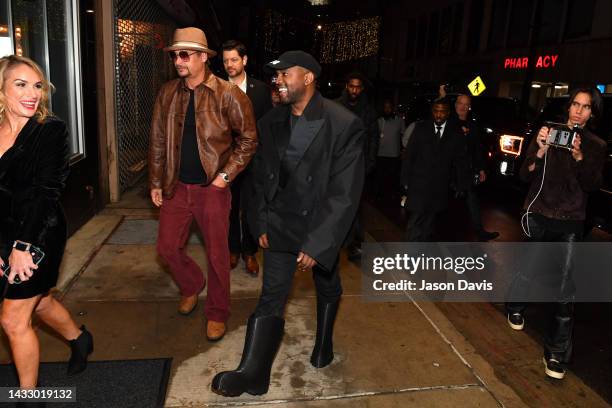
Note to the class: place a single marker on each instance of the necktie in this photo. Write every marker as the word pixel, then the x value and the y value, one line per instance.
pixel 438 134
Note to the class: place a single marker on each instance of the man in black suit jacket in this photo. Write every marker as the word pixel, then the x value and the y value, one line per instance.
pixel 241 241
pixel 354 99
pixel 435 157
pixel 309 174
pixel 476 163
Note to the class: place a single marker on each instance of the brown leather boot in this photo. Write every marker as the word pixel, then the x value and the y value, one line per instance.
pixel 215 330
pixel 252 266
pixel 188 304
pixel 234 258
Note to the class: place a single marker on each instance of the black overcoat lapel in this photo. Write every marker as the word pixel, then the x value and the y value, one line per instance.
pixel 446 135
pixel 307 129
pixel 250 88
pixel 281 132
pixel 303 135
pixel 432 139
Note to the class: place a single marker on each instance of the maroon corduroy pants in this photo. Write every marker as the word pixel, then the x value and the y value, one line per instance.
pixel 210 206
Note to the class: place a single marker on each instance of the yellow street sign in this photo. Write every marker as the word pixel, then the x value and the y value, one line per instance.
pixel 477 86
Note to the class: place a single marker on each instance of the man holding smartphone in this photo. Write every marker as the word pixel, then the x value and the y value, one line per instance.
pixel 556 209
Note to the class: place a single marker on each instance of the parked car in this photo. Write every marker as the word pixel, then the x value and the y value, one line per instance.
pixel 499 118
pixel 496 116
pixel 512 149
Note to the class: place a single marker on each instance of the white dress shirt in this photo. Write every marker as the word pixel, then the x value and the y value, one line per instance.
pixel 442 127
pixel 243 84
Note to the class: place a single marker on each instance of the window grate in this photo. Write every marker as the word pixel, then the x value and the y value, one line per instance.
pixel 141 67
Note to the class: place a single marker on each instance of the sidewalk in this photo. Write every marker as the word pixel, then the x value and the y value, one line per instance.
pixel 387 354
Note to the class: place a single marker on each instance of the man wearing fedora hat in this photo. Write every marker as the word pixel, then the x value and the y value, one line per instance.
pixel 309 172
pixel 203 134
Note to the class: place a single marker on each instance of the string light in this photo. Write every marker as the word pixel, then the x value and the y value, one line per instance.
pixel 18 46
pixel 273 23
pixel 332 42
pixel 132 33
pixel 348 40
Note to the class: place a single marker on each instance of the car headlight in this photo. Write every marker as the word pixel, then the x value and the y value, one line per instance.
pixel 503 167
pixel 511 144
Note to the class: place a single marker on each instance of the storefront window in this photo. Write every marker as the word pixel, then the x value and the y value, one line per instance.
pixel 64 67
pixel 29 30
pixel 44 30
pixel 6 41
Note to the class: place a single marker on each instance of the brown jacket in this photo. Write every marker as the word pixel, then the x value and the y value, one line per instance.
pixel 225 128
pixel 566 183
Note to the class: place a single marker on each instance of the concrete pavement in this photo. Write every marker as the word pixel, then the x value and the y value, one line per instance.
pixel 401 354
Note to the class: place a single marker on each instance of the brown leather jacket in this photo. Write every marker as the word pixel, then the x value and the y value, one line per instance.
pixel 225 128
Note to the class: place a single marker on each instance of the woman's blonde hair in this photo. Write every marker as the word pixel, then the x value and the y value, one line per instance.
pixel 11 61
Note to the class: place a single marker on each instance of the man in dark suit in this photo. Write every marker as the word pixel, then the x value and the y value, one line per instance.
pixel 354 99
pixel 435 157
pixel 241 241
pixel 309 175
pixel 476 164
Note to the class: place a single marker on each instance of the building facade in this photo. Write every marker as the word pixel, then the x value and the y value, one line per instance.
pixel 60 36
pixel 106 62
pixel 537 48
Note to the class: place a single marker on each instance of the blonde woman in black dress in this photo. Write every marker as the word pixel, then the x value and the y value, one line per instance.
pixel 33 171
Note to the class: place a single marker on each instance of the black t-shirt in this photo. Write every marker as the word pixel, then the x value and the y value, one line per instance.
pixel 294 120
pixel 191 170
pixel 285 161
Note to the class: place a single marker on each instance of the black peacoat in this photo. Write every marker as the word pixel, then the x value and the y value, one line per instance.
pixel 261 99
pixel 432 164
pixel 33 173
pixel 315 209
pixel 260 96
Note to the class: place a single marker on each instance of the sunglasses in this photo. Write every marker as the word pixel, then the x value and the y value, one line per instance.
pixel 183 55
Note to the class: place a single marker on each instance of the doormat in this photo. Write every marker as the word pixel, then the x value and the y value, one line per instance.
pixel 104 384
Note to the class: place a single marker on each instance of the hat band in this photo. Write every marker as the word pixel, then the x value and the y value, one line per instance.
pixel 189 44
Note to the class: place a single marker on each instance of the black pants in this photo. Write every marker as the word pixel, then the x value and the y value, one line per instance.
pixel 473 203
pixel 558 343
pixel 279 268
pixel 240 239
pixel 420 227
pixel 387 177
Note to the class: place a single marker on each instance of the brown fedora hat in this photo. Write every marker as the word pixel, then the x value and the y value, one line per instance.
pixel 190 38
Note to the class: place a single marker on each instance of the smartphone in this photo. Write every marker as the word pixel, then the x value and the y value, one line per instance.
pixel 37 256
pixel 561 135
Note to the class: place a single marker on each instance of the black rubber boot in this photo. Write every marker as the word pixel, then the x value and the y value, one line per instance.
pixel 81 347
pixel 263 338
pixel 323 352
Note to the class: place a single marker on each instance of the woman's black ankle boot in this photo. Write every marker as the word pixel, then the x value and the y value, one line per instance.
pixel 81 347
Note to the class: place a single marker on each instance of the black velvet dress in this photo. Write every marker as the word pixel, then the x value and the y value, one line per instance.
pixel 33 173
